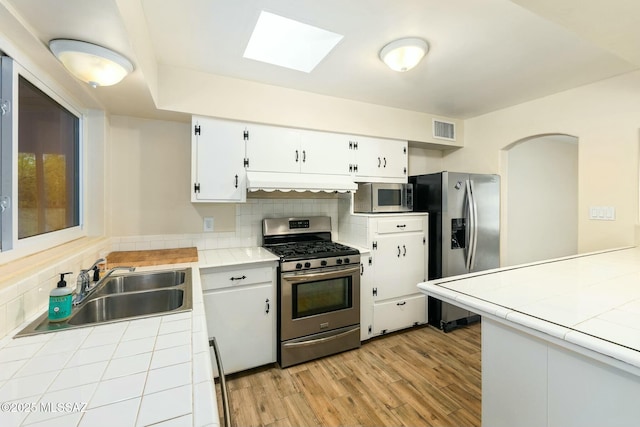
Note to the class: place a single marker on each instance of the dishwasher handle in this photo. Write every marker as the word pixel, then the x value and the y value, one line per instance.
pixel 223 383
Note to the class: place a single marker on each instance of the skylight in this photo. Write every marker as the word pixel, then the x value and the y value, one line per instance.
pixel 288 43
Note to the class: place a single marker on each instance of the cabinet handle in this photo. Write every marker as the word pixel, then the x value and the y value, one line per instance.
pixel 268 307
pixel 239 278
pixel 401 225
pixel 379 162
pixel 404 248
pixel 385 162
pixel 398 251
pixel 236 181
pixel 304 156
pixel 361 269
pixel 296 156
pixel 401 303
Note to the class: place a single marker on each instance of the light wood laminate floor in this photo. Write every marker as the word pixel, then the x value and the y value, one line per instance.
pixel 418 377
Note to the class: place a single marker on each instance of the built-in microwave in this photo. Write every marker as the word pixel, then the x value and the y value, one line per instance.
pixel 383 198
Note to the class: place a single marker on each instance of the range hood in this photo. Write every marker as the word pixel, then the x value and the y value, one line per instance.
pixel 272 181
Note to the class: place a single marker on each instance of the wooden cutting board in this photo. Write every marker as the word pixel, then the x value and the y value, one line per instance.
pixel 152 257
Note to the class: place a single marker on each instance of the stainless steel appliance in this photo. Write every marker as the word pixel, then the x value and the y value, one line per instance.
pixel 383 198
pixel 464 232
pixel 318 289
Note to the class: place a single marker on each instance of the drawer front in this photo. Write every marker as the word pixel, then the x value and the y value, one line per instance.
pixel 400 225
pixel 224 278
pixel 399 313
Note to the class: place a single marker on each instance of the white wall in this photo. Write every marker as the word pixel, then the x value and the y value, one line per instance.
pixel 542 199
pixel 194 92
pixel 149 181
pixel 423 160
pixel 605 117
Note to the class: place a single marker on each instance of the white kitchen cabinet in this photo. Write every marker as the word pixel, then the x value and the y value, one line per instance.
pixel 240 307
pixel 217 161
pixel 223 151
pixel 398 245
pixel 399 313
pixel 366 296
pixel 326 153
pixel 279 149
pixel 273 149
pixel 381 160
pixel 401 257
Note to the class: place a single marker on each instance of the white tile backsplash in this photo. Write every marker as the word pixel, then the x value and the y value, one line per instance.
pixel 248 231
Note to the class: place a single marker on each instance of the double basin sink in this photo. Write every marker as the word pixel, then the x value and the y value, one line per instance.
pixel 125 297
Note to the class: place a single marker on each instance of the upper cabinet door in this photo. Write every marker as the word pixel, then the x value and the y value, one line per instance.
pixel 379 159
pixel 217 161
pixel 326 153
pixel 273 149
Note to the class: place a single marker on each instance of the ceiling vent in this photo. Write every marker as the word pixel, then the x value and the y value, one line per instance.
pixel 444 130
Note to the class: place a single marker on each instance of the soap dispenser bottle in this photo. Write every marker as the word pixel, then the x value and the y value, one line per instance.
pixel 60 301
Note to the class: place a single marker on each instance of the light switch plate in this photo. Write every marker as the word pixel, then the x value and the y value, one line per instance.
pixel 208 223
pixel 602 213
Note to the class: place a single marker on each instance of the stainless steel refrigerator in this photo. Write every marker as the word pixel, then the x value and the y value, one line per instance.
pixel 464 232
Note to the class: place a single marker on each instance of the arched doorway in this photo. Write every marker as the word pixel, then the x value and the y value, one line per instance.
pixel 541 198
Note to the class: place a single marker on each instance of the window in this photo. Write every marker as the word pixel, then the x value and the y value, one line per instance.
pixel 41 138
pixel 47 164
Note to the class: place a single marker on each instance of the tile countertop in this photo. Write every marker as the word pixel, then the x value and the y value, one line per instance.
pixel 211 258
pixel 153 371
pixel 590 300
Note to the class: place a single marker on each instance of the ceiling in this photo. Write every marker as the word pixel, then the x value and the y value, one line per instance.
pixel 484 54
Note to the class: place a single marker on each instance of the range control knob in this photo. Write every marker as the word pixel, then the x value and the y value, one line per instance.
pixel 298 266
pixel 346 260
pixel 307 264
pixel 323 262
pixel 339 261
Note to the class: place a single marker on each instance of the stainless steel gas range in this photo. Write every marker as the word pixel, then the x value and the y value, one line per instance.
pixel 318 289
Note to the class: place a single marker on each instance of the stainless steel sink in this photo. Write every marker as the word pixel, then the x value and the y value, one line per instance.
pixel 125 297
pixel 125 306
pixel 141 282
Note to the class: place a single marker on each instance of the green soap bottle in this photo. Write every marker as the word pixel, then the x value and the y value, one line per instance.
pixel 60 301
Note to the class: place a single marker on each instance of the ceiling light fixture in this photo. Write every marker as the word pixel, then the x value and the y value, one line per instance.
pixel 404 54
pixel 93 64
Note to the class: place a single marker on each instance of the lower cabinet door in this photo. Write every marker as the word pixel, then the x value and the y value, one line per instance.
pixel 399 313
pixel 243 323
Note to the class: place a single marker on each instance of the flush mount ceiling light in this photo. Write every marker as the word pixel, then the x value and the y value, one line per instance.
pixel 288 43
pixel 404 54
pixel 93 64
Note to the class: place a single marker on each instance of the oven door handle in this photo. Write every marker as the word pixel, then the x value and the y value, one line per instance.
pixel 319 340
pixel 310 277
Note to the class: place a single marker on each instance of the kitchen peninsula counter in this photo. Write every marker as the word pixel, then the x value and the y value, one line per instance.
pixel 560 338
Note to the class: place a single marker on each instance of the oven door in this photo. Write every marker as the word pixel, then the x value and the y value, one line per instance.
pixel 318 301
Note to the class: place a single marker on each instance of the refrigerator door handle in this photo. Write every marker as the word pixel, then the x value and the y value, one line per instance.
pixel 468 202
pixel 474 226
pixel 473 229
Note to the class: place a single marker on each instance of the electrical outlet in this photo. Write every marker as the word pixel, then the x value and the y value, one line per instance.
pixel 208 223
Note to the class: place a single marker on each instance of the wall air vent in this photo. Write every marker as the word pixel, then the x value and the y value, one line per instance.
pixel 444 130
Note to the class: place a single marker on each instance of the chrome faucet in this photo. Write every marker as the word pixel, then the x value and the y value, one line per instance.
pixel 84 282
